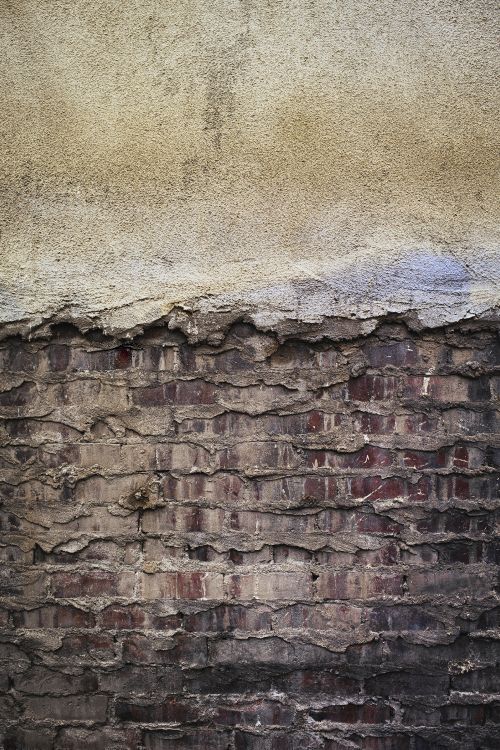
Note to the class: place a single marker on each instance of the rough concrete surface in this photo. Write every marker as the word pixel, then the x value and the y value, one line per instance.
pixel 289 159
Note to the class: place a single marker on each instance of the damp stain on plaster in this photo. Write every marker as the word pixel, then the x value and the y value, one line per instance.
pixel 220 148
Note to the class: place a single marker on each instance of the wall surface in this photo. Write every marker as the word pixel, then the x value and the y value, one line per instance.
pixel 249 387
pixel 290 159
pixel 250 546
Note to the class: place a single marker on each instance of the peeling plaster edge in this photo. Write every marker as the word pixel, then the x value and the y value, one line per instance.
pixel 204 319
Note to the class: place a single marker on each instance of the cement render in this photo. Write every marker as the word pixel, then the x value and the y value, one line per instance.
pixel 280 161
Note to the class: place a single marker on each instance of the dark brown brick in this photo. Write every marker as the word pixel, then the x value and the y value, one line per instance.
pixel 171 710
pixel 354 713
pixel 260 713
pixel 94 583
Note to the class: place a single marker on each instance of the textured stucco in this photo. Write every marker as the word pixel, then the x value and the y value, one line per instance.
pixel 288 159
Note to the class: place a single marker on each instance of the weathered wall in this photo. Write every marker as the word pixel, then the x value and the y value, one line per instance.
pixel 253 546
pixel 249 474
pixel 162 152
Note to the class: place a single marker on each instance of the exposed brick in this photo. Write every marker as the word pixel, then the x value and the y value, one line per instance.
pixel 93 583
pixel 351 585
pixel 377 488
pixel 449 582
pixel 180 393
pixel 123 618
pixel 53 617
pixel 187 740
pixel 354 713
pixel 20 738
pixel 107 738
pixel 73 708
pixel 319 616
pixel 250 543
pixel 407 683
pixel 40 680
pixel 171 710
pixel 269 586
pixel 396 354
pixel 185 585
pixel 226 618
pixel 372 388
pixel 317 681
pixel 403 618
pixel 367 458
pixel 261 713
pixel 178 650
pixel 87 647
pixel 189 519
pixel 375 424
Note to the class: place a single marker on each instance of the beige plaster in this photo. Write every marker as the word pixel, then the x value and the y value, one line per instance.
pixel 294 158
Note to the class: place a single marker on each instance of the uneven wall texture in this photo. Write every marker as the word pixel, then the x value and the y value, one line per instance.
pixel 259 545
pixel 217 153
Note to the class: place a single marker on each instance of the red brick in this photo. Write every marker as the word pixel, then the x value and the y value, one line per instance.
pixel 18 358
pixel 183 519
pixel 396 354
pixel 449 388
pixel 377 488
pixel 183 585
pixel 413 424
pixel 21 737
pixel 296 490
pixel 181 457
pixel 377 524
pixel 107 738
pixel 318 617
pixel 455 521
pixel 123 617
pixel 367 458
pixel 87 647
pixel 353 585
pixel 93 583
pixel 18 396
pixel 317 681
pixel 400 618
pixel 53 617
pixel 269 586
pixel 458 487
pixel 258 456
pixel 372 388
pixel 177 393
pixel 228 617
pixel 375 424
pixel 201 487
pixel 387 555
pixel 255 523
pixel 425 459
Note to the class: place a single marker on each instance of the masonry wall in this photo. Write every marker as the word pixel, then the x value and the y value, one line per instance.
pixel 257 545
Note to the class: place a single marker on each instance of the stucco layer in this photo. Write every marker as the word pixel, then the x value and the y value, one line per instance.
pixel 290 159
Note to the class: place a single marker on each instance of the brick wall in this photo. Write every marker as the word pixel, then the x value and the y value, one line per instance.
pixel 259 545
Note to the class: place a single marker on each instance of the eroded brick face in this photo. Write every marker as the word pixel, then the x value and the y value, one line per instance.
pixel 259 545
